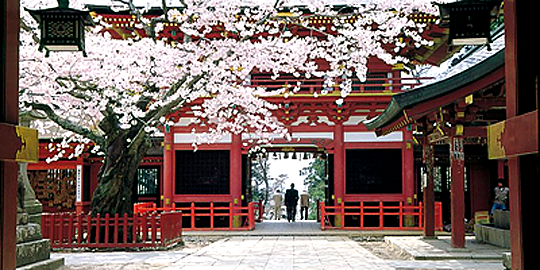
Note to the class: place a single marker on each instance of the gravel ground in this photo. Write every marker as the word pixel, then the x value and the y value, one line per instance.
pixel 385 251
pixel 197 242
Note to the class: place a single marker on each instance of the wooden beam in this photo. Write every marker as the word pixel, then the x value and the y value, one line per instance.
pixel 505 142
pixel 18 143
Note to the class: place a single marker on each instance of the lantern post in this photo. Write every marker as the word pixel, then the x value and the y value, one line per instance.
pixel 469 21
pixel 62 28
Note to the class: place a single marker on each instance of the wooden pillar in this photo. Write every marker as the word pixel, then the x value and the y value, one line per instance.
pixel 339 164
pixel 168 169
pixel 512 94
pixel 457 163
pixel 339 169
pixel 236 176
pixel 236 169
pixel 429 193
pixel 408 167
pixel 9 110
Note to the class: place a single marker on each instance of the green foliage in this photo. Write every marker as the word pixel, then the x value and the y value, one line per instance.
pixel 315 181
pixel 259 179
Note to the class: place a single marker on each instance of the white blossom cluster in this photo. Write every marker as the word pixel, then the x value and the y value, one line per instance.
pixel 118 75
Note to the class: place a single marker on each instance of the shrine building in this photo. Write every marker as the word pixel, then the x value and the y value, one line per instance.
pixel 431 147
pixel 363 167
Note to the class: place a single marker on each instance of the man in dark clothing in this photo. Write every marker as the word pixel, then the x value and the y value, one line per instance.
pixel 291 200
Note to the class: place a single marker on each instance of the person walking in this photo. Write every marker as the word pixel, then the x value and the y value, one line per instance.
pixel 501 196
pixel 304 205
pixel 277 204
pixel 291 200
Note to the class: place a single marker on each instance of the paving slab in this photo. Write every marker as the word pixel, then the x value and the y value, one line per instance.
pixel 441 248
pixel 299 228
pixel 285 251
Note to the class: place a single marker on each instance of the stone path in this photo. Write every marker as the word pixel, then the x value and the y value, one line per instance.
pixel 441 248
pixel 263 252
pixel 298 228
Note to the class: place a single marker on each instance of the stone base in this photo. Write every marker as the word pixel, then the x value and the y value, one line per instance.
pixel 507 260
pixel 50 264
pixel 501 219
pixel 33 251
pixel 491 235
pixel 28 232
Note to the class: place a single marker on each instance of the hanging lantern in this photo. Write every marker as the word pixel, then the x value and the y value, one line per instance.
pixel 469 21
pixel 62 28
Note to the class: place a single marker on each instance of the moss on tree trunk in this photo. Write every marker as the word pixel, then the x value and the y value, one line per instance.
pixel 117 175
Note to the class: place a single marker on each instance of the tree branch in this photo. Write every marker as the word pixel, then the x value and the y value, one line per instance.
pixel 162 111
pixel 67 124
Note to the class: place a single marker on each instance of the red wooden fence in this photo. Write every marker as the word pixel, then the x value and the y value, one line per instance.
pixel 379 214
pixel 68 230
pixel 240 218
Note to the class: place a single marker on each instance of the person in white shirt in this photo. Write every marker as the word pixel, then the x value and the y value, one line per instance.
pixel 277 204
pixel 304 205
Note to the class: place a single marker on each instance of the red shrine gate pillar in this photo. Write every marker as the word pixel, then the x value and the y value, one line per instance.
pixel 457 186
pixel 9 116
pixel 168 169
pixel 408 173
pixel 339 168
pixel 429 193
pixel 521 144
pixel 408 167
pixel 236 175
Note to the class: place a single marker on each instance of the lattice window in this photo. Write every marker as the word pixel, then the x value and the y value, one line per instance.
pixel 373 171
pixel 202 172
pixel 370 81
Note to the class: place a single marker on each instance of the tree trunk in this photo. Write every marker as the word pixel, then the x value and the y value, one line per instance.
pixel 117 176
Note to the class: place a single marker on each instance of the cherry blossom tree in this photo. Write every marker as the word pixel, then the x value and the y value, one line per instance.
pixel 120 95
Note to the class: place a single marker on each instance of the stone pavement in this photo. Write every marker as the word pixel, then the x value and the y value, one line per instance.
pixel 441 249
pixel 298 228
pixel 264 252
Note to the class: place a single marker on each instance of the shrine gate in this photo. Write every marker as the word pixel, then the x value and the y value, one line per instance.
pixel 361 166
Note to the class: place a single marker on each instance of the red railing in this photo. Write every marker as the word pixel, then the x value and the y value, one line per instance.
pixel 376 216
pixel 259 210
pixel 68 230
pixel 372 84
pixel 240 218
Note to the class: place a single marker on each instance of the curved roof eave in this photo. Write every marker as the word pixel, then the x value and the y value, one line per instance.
pixel 408 99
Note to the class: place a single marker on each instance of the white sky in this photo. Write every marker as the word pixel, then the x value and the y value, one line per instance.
pixel 292 168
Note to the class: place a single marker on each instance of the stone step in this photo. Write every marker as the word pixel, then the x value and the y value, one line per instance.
pixel 49 264
pixel 33 251
pixel 28 232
